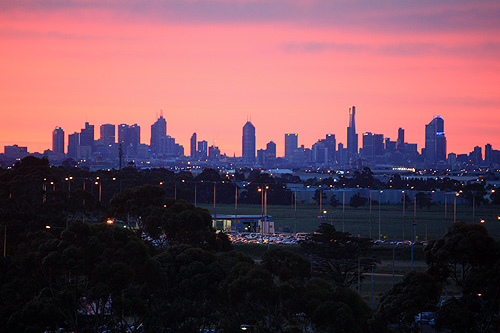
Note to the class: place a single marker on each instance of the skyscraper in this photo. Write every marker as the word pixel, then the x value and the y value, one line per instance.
pixel 193 146
pixel 400 143
pixel 331 145
pixel 158 135
pixel 58 140
pixel 202 150
pixel 107 134
pixel 291 144
pixel 73 143
pixel 87 136
pixel 435 141
pixel 352 137
pixel 248 143
pixel 487 153
pixel 130 138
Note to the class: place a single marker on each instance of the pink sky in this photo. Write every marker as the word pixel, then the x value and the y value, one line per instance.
pixel 290 66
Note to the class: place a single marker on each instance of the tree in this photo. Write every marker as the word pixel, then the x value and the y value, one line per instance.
pixel 319 195
pixel 469 259
pixel 90 278
pixel 286 265
pixel 465 249
pixel 415 293
pixel 424 199
pixel 474 193
pixel 334 201
pixel 364 178
pixel 136 201
pixel 334 254
pixel 357 201
pixel 334 309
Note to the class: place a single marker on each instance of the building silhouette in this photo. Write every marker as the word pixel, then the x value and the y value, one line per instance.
pixel 193 146
pixel 435 141
pixel 58 140
pixel 248 143
pixel 352 137
pixel 107 134
pixel 87 136
pixel 291 145
pixel 73 144
pixel 400 143
pixel 202 152
pixel 158 136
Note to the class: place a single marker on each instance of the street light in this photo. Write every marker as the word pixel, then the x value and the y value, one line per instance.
pixel 4 240
pixel 97 182
pixel 370 214
pixel 359 276
pixel 404 207
pixel 379 199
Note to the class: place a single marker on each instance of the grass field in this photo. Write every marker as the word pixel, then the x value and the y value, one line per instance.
pixel 429 223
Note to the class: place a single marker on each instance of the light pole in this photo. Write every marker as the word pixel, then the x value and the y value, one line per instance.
pixel 455 208
pixel 379 220
pixel 265 209
pixel 68 179
pixel 370 214
pixel 195 194
pixel 4 239
pixel 343 211
pixel 215 200
pixel 359 276
pixel 404 208
pixel 295 211
pixel 235 201
pixel 473 208
pixel 98 182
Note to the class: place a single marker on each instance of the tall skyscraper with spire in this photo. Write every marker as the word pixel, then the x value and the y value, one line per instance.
pixel 58 140
pixel 158 135
pixel 248 143
pixel 352 137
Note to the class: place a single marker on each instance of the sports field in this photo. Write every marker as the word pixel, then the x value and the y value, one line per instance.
pixel 427 223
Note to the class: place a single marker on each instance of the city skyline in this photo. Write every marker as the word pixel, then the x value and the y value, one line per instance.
pixel 294 67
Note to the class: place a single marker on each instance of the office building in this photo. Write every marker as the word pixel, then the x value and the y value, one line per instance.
pixel 87 136
pixel 193 146
pixel 248 143
pixel 331 145
pixel 58 140
pixel 158 136
pixel 73 144
pixel 107 134
pixel 352 137
pixel 291 144
pixel 213 153
pixel 487 154
pixel 129 137
pixel 400 143
pixel 373 145
pixel 15 152
pixel 202 150
pixel 435 141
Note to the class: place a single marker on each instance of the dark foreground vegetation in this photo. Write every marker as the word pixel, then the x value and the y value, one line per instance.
pixel 172 273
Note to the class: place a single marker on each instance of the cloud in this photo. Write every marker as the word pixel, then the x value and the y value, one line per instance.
pixel 414 16
pixel 405 49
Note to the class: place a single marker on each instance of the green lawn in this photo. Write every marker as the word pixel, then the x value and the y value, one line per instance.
pixel 430 223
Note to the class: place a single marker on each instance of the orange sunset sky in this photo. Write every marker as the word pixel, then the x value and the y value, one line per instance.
pixel 292 66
